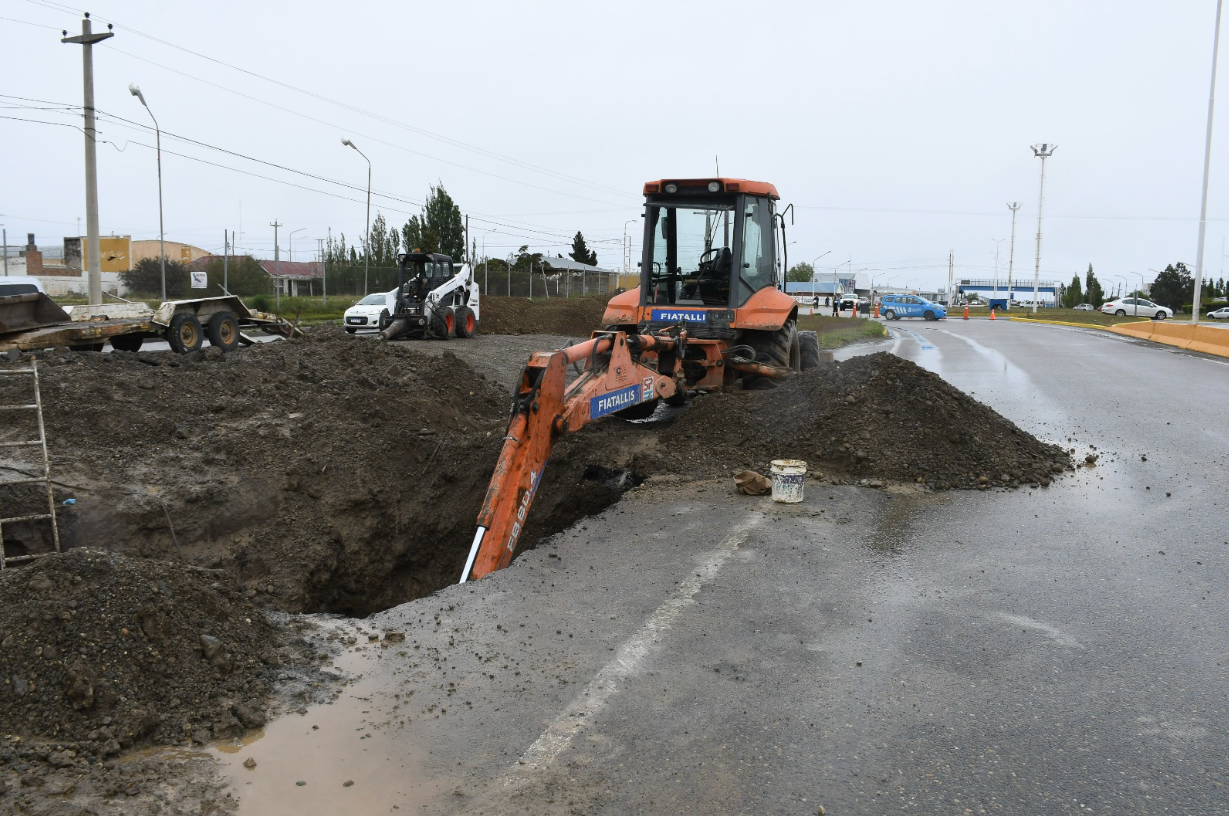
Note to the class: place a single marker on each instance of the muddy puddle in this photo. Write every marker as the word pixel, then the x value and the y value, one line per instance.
pixel 348 756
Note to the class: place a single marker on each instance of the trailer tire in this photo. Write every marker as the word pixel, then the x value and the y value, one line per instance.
pixel 808 342
pixel 184 334
pixel 127 342
pixel 467 324
pixel 223 331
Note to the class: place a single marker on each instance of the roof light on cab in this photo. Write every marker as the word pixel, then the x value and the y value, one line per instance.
pixel 672 188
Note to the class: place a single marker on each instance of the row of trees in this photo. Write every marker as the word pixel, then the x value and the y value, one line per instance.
pixel 1173 287
pixel 354 267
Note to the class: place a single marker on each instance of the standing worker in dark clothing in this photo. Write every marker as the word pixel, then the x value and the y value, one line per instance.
pixel 836 306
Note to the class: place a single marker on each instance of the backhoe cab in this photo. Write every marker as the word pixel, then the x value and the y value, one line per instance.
pixel 713 264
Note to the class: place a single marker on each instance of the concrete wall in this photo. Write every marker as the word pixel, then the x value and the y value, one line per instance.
pixel 175 251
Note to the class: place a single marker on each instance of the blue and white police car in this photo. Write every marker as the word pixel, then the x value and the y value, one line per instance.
pixel 894 307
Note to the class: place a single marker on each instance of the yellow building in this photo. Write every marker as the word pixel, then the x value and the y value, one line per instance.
pixel 175 251
pixel 114 252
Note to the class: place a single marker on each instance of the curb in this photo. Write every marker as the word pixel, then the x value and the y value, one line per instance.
pixel 1204 339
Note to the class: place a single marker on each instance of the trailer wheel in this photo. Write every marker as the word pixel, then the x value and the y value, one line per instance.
pixel 127 342
pixel 808 341
pixel 184 333
pixel 467 324
pixel 223 331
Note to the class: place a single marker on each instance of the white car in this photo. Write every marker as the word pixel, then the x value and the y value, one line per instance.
pixel 1083 307
pixel 370 313
pixel 1220 314
pixel 1136 306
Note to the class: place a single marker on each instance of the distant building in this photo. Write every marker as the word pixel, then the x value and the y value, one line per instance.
pixel 55 269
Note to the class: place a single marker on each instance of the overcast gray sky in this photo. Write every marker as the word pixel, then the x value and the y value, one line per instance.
pixel 899 130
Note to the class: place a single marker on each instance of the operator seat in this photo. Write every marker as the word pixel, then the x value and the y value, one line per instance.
pixel 714 284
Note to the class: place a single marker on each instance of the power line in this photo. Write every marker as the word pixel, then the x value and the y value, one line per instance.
pixel 353 108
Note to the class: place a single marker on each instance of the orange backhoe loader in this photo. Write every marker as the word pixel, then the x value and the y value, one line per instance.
pixel 709 311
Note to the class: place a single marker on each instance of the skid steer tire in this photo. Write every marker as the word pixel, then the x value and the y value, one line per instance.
pixel 223 331
pixel 443 321
pixel 808 343
pixel 467 324
pixel 184 334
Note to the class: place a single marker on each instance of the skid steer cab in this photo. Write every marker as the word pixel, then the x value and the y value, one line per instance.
pixel 708 313
pixel 434 298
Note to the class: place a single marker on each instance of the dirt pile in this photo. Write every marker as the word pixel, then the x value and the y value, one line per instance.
pixel 876 417
pixel 329 474
pixel 100 653
pixel 569 317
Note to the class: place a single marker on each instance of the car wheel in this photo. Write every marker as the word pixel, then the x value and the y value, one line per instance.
pixel 929 315
pixel 889 315
pixel 1121 313
pixel 351 331
pixel 1161 315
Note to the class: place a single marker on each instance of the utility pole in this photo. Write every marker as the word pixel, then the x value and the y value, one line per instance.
pixel 1196 304
pixel 323 275
pixel 93 264
pixel 226 261
pixel 951 268
pixel 1011 253
pixel 1043 152
pixel 277 257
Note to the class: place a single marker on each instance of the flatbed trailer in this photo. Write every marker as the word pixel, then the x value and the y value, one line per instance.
pixel 31 322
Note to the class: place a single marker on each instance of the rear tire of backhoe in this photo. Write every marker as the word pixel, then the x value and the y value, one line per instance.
pixel 808 343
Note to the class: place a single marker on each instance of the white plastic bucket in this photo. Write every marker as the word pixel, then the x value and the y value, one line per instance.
pixel 787 478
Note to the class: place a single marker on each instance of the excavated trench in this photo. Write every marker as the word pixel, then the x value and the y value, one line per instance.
pixel 341 475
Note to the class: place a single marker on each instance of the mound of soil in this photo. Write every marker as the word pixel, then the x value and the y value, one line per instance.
pixel 100 653
pixel 329 474
pixel 570 317
pixel 875 418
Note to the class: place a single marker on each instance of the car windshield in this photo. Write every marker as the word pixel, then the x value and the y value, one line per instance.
pixel 372 300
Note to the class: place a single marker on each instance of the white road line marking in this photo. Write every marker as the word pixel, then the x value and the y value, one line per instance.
pixel 608 681
pixel 1053 633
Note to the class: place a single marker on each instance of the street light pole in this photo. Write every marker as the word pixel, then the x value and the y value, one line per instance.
pixel 86 40
pixel 627 248
pixel 1011 252
pixel 998 243
pixel 813 273
pixel 1043 152
pixel 367 254
pixel 135 91
pixel 291 239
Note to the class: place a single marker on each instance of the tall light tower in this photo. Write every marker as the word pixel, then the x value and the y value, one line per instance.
pixel 93 261
pixel 1207 160
pixel 1043 152
pixel 1011 252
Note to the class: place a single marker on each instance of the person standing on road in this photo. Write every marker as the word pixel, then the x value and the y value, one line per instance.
pixel 836 306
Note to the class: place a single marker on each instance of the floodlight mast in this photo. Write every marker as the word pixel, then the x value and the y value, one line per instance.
pixel 1043 152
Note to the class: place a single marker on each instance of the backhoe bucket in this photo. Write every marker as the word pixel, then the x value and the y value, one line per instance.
pixel 32 311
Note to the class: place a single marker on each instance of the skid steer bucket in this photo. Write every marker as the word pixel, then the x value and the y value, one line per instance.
pixel 32 311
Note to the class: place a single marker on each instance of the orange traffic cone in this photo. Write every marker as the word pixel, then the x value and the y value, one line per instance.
pixel 966 311
pixel 992 314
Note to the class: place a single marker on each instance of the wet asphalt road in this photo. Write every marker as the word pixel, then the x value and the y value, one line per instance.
pixel 1037 651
